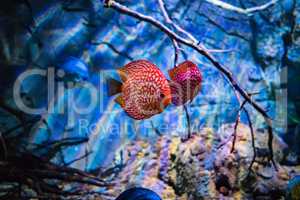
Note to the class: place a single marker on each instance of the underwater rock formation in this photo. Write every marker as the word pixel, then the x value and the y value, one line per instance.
pixel 203 167
pixel 293 190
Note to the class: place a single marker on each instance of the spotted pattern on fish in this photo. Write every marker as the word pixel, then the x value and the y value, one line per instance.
pixel 145 91
pixel 185 82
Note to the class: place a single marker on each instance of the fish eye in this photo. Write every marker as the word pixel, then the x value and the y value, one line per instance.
pixel 162 95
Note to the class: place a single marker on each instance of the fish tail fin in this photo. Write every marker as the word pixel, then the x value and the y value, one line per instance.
pixel 120 101
pixel 114 87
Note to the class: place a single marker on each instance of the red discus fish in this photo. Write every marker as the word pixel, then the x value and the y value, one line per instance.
pixel 144 90
pixel 185 82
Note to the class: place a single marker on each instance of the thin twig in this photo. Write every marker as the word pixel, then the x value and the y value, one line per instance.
pixel 170 33
pixel 188 121
pixel 270 142
pixel 237 121
pixel 252 140
pixel 246 11
pixel 177 27
pixel 176 51
pixel 78 159
pixel 183 31
pixel 164 11
pixel 221 50
pixel 200 49
pixel 169 21
pixel 26 166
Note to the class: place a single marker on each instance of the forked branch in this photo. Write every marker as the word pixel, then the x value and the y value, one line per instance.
pixel 203 51
pixel 245 11
pixel 123 9
pixel 237 121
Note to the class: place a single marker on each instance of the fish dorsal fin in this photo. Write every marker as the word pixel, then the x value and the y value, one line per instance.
pixel 181 68
pixel 122 73
pixel 172 73
pixel 120 101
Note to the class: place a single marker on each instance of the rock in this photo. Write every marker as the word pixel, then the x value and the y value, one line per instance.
pixel 265 172
pixel 261 190
pixel 178 170
pixel 222 184
pixel 283 174
pixel 293 189
pixel 235 165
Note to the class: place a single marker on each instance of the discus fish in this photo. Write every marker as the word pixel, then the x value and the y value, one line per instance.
pixel 185 82
pixel 144 91
pixel 138 194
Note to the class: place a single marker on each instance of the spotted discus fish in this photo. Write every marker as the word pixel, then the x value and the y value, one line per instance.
pixel 185 82
pixel 144 90
pixel 138 194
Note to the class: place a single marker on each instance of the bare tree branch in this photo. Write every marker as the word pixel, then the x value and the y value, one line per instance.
pixel 164 11
pixel 221 50
pixel 252 141
pixel 78 159
pixel 192 44
pixel 183 31
pixel 237 121
pixel 200 49
pixel 176 49
pixel 169 21
pixel 38 175
pixel 188 121
pixel 270 142
pixel 246 11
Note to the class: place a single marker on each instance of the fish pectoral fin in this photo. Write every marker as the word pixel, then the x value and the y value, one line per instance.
pixel 122 73
pixel 114 87
pixel 120 101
